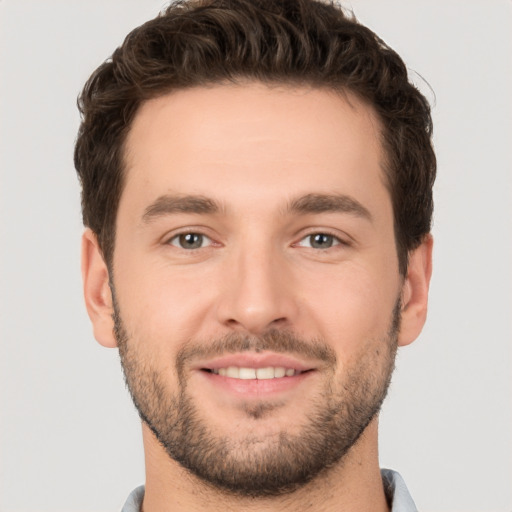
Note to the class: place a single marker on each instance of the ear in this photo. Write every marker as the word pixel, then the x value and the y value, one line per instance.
pixel 97 293
pixel 415 292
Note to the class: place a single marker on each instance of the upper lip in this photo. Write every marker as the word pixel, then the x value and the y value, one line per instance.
pixel 254 360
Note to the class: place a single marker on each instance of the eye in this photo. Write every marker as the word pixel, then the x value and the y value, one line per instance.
pixel 190 241
pixel 319 241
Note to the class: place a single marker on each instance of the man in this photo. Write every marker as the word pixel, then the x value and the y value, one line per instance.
pixel 257 190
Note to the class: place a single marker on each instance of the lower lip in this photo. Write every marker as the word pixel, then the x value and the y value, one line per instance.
pixel 256 387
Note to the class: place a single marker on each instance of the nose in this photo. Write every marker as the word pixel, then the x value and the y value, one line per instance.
pixel 257 293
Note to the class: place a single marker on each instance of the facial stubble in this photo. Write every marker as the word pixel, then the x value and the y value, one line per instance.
pixel 261 465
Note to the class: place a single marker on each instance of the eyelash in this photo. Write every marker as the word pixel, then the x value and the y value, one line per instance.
pixel 335 240
pixel 179 236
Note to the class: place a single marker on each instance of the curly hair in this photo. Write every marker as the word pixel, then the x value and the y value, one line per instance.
pixel 296 42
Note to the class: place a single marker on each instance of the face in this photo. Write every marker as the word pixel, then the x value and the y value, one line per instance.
pixel 256 283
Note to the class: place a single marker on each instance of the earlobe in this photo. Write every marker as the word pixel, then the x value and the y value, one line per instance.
pixel 415 292
pixel 97 293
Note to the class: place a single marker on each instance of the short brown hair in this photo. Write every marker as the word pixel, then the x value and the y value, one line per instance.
pixel 297 42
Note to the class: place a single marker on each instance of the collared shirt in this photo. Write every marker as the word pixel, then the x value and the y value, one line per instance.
pixel 396 491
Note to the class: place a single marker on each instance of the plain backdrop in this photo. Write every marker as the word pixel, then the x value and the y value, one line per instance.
pixel 70 438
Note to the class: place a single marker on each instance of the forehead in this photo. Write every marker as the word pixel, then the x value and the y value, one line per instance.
pixel 252 140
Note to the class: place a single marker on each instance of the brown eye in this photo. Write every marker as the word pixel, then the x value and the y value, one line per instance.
pixel 190 241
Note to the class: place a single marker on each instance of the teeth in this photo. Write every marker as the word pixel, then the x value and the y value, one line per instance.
pixel 265 373
pixel 247 373
pixel 270 372
pixel 281 372
pixel 233 372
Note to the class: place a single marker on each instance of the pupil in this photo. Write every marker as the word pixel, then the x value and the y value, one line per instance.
pixel 191 240
pixel 321 241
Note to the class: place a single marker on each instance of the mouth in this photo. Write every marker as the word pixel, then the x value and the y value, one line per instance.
pixel 255 374
pixel 265 373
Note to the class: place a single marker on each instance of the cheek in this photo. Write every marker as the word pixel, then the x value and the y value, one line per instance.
pixel 350 306
pixel 161 306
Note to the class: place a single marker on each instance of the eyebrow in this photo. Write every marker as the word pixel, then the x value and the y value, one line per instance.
pixel 169 204
pixel 307 204
pixel 329 203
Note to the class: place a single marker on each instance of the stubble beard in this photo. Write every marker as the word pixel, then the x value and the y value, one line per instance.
pixel 260 465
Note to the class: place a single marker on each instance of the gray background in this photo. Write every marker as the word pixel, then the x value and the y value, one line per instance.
pixel 69 437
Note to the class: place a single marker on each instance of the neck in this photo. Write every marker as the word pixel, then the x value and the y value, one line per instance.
pixel 353 485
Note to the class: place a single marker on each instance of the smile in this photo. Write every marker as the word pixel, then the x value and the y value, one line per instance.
pixel 250 374
pixel 242 373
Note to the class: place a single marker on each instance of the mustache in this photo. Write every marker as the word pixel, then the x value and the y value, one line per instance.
pixel 274 340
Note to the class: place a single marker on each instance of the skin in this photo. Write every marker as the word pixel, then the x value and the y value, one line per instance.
pixel 254 150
